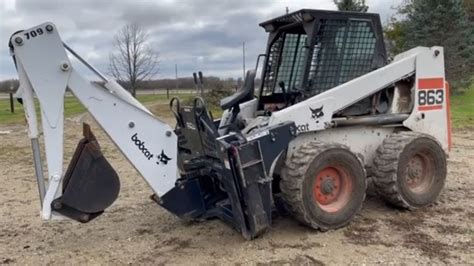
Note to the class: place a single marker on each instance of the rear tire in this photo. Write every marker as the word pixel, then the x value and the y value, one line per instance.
pixel 410 169
pixel 323 184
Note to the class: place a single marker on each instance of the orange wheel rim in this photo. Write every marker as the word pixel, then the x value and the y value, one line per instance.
pixel 332 188
pixel 420 173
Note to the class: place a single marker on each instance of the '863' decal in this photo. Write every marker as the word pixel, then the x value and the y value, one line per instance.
pixel 431 94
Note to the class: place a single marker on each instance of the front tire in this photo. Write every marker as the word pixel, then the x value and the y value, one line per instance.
pixel 323 184
pixel 410 169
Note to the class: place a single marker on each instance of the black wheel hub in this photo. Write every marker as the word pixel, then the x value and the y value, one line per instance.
pixel 327 186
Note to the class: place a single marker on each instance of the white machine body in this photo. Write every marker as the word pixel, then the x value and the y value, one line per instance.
pixel 429 109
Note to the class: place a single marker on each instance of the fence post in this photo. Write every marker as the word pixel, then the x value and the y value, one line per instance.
pixel 12 105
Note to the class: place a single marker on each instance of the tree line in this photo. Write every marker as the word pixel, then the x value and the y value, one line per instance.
pixel 184 83
pixel 447 23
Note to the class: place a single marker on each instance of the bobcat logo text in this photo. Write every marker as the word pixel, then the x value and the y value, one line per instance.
pixel 141 146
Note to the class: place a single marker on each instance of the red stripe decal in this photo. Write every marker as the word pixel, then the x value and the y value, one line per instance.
pixel 431 83
pixel 430 107
pixel 448 114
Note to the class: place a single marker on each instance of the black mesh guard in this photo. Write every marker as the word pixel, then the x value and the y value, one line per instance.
pixel 342 46
pixel 344 50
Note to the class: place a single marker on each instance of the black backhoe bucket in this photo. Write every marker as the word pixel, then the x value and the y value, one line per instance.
pixel 90 184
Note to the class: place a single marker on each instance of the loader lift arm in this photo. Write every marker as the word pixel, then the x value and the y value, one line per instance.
pixel 423 65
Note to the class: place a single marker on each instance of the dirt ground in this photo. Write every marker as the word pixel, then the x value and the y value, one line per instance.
pixel 136 230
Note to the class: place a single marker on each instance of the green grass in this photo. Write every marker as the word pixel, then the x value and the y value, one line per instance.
pixel 5 116
pixel 462 109
pixel 72 107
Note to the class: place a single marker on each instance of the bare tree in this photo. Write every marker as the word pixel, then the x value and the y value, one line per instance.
pixel 132 60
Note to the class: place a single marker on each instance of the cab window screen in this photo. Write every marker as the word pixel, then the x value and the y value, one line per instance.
pixel 290 71
pixel 344 50
pixel 285 63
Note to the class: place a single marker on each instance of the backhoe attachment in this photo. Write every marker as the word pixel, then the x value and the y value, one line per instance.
pixel 90 184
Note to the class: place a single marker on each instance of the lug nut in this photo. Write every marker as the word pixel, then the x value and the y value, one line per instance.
pixel 49 28
pixel 19 40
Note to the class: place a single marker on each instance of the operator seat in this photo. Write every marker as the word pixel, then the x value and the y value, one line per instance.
pixel 244 94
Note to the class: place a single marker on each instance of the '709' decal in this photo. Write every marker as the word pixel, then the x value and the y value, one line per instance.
pixel 33 33
pixel 431 94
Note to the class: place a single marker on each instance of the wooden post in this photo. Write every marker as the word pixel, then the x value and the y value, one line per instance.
pixel 167 93
pixel 12 105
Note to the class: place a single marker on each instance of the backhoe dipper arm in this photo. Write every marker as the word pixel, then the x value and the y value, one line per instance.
pixel 44 69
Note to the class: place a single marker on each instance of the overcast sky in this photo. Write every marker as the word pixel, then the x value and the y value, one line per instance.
pixel 202 35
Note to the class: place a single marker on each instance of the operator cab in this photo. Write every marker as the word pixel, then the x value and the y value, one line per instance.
pixel 312 51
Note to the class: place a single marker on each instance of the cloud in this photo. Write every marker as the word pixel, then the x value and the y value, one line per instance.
pixel 204 35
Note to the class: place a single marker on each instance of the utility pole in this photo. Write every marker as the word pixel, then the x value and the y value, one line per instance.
pixel 287 10
pixel 176 73
pixel 243 59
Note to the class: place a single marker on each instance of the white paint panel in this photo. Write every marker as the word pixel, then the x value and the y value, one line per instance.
pixel 431 122
pixel 346 94
pixel 362 140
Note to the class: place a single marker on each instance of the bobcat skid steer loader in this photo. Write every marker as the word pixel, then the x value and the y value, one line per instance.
pixel 330 112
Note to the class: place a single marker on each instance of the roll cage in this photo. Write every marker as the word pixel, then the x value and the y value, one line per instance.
pixel 311 51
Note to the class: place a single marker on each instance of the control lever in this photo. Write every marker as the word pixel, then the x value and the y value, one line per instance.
pixel 201 83
pixel 198 83
pixel 196 86
pixel 174 107
pixel 285 96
